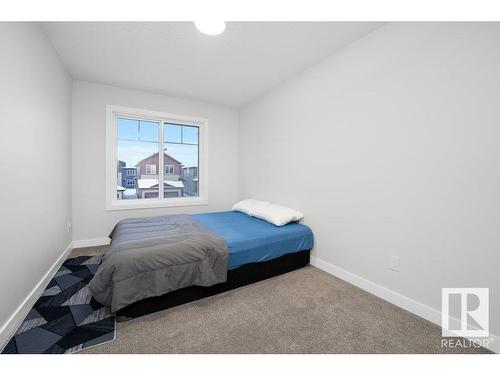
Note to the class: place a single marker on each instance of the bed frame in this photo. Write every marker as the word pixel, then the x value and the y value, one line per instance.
pixel 238 277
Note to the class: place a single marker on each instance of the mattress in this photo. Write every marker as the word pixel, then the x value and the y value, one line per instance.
pixel 252 240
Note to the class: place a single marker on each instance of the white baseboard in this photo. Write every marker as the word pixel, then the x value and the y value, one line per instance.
pixel 91 242
pixel 406 303
pixel 17 317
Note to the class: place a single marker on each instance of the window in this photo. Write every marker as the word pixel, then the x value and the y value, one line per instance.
pixel 150 169
pixel 154 148
pixel 169 169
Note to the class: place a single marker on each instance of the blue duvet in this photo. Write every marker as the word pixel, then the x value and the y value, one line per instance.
pixel 251 240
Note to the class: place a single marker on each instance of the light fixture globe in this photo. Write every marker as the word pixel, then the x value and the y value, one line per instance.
pixel 210 27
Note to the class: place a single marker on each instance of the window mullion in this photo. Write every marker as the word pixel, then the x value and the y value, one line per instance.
pixel 161 151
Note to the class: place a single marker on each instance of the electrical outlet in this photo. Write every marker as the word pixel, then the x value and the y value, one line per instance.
pixel 394 263
pixel 68 227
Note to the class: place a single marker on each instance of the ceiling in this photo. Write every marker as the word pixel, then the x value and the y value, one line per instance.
pixel 173 58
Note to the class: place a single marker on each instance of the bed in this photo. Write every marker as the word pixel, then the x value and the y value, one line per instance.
pixel 252 240
pixel 251 250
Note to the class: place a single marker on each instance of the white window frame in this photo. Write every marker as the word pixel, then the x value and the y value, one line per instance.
pixel 150 169
pixel 114 112
pixel 130 172
pixel 168 166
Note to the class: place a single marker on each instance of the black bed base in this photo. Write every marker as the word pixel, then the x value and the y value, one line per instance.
pixel 241 276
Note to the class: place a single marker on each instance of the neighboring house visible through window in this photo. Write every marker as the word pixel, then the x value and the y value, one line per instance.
pixel 135 141
pixel 190 180
pixel 127 176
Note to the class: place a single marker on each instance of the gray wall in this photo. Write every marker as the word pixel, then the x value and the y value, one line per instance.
pixel 399 134
pixel 89 145
pixel 35 161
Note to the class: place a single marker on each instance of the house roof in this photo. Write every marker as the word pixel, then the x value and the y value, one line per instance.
pixel 177 184
pixel 147 183
pixel 165 154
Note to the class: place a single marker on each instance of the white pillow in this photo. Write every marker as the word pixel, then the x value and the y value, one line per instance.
pixel 248 206
pixel 276 214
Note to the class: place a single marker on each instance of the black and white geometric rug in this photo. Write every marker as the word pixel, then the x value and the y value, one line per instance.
pixel 65 319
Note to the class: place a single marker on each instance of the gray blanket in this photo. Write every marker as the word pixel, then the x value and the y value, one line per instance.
pixel 153 256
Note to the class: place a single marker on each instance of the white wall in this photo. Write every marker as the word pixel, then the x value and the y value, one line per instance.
pixel 35 161
pixel 391 147
pixel 90 220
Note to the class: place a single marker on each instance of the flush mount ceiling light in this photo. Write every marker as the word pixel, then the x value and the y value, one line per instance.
pixel 210 27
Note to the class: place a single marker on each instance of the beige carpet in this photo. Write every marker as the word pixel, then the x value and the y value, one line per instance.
pixel 305 311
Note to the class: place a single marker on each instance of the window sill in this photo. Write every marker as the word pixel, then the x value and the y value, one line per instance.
pixel 140 204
